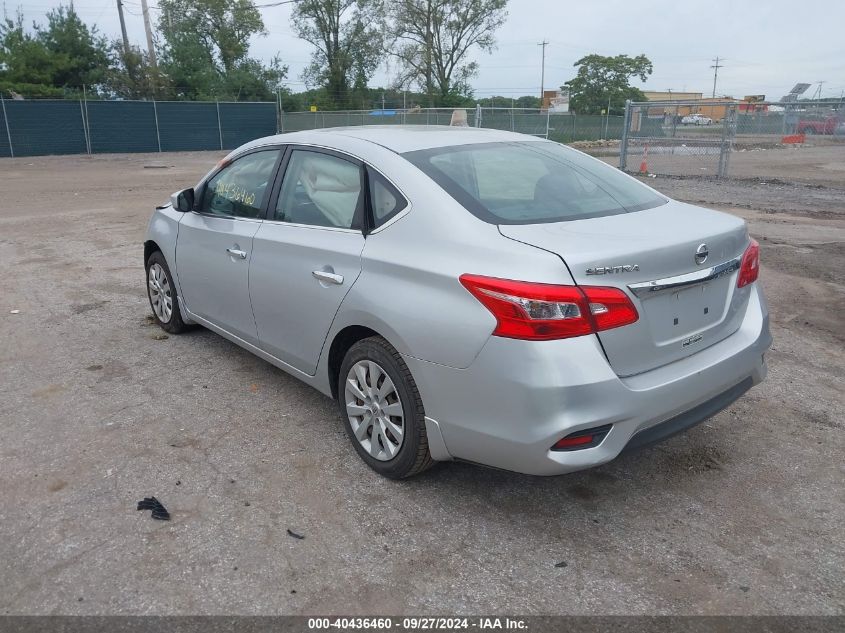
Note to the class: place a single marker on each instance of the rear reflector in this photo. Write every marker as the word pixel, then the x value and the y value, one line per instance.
pixel 541 312
pixel 588 438
pixel 749 270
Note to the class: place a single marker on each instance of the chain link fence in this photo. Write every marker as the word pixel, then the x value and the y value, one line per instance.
pixel 564 128
pixel 698 138
pixel 40 127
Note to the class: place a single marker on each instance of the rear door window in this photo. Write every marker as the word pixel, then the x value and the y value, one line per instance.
pixel 321 189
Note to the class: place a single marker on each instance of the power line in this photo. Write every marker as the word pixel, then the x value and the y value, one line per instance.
pixel 276 4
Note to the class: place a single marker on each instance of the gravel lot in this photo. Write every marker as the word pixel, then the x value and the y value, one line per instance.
pixel 744 514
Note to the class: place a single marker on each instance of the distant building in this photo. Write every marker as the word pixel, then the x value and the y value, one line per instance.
pixel 671 95
pixel 555 101
pixel 706 106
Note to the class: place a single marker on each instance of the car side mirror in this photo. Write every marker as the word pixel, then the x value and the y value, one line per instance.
pixel 183 200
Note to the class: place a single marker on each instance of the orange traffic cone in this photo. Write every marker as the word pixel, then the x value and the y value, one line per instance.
pixel 644 162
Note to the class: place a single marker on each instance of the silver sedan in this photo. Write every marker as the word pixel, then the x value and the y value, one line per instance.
pixel 466 293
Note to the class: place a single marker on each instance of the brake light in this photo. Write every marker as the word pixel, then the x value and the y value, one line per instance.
pixel 541 312
pixel 749 269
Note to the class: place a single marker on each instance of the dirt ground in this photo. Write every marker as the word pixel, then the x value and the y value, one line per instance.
pixel 745 514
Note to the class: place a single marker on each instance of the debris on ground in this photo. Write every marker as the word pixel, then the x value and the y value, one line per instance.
pixel 295 535
pixel 159 513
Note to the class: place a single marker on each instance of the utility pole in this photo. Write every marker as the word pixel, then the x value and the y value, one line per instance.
pixel 716 68
pixel 123 32
pixel 127 54
pixel 150 49
pixel 544 43
pixel 428 37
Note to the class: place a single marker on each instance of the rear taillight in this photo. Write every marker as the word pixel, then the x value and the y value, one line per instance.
pixel 749 269
pixel 541 312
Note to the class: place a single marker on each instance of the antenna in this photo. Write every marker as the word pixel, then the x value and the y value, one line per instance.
pixel 716 66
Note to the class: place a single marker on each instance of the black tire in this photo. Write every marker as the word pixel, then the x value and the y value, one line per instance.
pixel 175 325
pixel 413 456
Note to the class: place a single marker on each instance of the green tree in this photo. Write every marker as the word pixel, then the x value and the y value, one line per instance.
pixel 347 46
pixel 432 40
pixel 24 60
pixel 205 51
pixel 79 54
pixel 132 77
pixel 52 60
pixel 528 101
pixel 603 79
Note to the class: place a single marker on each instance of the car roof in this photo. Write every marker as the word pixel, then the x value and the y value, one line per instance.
pixel 400 138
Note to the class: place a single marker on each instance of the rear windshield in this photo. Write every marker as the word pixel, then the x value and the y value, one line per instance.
pixel 532 182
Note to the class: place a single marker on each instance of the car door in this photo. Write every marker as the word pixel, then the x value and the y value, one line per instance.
pixel 214 245
pixel 307 254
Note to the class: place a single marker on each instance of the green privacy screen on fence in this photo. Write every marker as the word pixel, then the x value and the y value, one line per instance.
pixel 243 122
pixel 45 127
pixel 38 128
pixel 78 127
pixel 122 126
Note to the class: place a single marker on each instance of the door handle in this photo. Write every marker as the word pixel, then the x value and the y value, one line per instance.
pixel 330 278
pixel 234 252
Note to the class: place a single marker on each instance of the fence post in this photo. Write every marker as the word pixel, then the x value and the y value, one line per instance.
pixel 548 114
pixel 87 122
pixel 158 134
pixel 728 131
pixel 623 146
pixel 279 122
pixel 84 127
pixel 477 115
pixel 8 131
pixel 219 125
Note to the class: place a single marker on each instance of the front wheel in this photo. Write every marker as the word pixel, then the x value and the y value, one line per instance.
pixel 161 292
pixel 382 410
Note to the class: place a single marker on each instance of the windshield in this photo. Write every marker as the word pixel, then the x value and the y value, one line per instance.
pixel 532 182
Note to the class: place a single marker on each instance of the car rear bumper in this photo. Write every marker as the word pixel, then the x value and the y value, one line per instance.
pixel 518 398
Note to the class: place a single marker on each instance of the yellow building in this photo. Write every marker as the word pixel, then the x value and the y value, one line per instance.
pixel 671 95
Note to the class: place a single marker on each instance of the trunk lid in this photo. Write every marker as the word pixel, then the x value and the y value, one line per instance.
pixel 684 306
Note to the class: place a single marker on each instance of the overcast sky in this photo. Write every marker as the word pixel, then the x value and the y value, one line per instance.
pixel 767 45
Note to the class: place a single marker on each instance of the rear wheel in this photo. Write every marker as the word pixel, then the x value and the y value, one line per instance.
pixel 161 292
pixel 382 410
